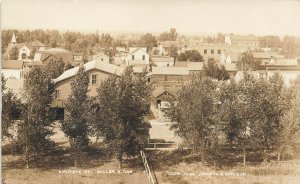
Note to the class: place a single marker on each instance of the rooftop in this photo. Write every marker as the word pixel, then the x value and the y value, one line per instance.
pixel 169 71
pixel 12 64
pixel 98 65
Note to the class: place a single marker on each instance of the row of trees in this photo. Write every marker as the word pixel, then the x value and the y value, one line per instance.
pixel 84 43
pixel 116 114
pixel 253 113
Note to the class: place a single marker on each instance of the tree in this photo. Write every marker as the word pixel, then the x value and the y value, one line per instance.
pixel 289 137
pixel 191 55
pixel 194 115
pixel 214 70
pixel 14 53
pixel 173 52
pixel 268 97
pixel 32 53
pixel 169 36
pixel 34 131
pixel 148 41
pixel 11 109
pixel 247 61
pixel 54 68
pixel 106 41
pixel 75 125
pixel 123 103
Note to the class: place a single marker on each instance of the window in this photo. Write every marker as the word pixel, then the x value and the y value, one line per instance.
pixel 149 80
pixel 132 57
pixel 101 59
pixel 212 51
pixel 143 57
pixel 205 51
pixel 56 94
pixel 219 51
pixel 94 79
pixel 24 56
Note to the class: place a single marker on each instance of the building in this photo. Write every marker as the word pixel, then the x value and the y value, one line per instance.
pixel 162 61
pixel 249 41
pixel 38 45
pixel 13 69
pixel 25 51
pixel 101 57
pixel 137 56
pixel 98 72
pixel 219 51
pixel 289 69
pixel 168 77
pixel 54 54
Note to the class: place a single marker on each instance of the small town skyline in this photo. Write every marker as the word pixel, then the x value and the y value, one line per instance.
pixel 131 16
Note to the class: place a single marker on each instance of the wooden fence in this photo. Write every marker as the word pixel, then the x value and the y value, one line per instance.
pixel 150 174
pixel 161 146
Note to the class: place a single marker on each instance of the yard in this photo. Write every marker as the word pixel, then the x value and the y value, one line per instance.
pixel 178 166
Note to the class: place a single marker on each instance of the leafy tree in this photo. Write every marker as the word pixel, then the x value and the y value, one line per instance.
pixel 173 52
pixel 148 40
pixel 34 130
pixel 11 109
pixel 214 70
pixel 106 41
pixel 245 126
pixel 191 55
pixel 289 137
pixel 75 125
pixel 194 115
pixel 14 53
pixel 268 97
pixel 229 113
pixel 32 53
pixel 247 61
pixel 123 103
pixel 169 36
pixel 54 68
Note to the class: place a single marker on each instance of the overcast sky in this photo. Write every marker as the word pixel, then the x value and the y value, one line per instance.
pixel 258 17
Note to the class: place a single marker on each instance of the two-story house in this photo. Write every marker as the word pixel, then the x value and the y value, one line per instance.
pixel 137 56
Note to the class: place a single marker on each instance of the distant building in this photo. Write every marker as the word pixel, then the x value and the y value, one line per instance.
pixel 249 41
pixel 162 61
pixel 137 56
pixel 288 68
pixel 98 72
pixel 54 54
pixel 101 57
pixel 38 45
pixel 12 69
pixel 24 51
pixel 168 77
pixel 219 51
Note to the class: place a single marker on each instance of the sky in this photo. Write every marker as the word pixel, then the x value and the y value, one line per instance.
pixel 275 17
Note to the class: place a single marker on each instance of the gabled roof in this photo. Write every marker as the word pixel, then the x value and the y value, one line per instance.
pixel 160 90
pixel 12 64
pixel 133 50
pixel 25 44
pixel 37 43
pixel 95 64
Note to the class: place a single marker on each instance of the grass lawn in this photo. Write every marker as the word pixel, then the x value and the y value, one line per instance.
pixel 179 167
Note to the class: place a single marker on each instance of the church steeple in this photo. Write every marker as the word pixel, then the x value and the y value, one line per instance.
pixel 13 39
